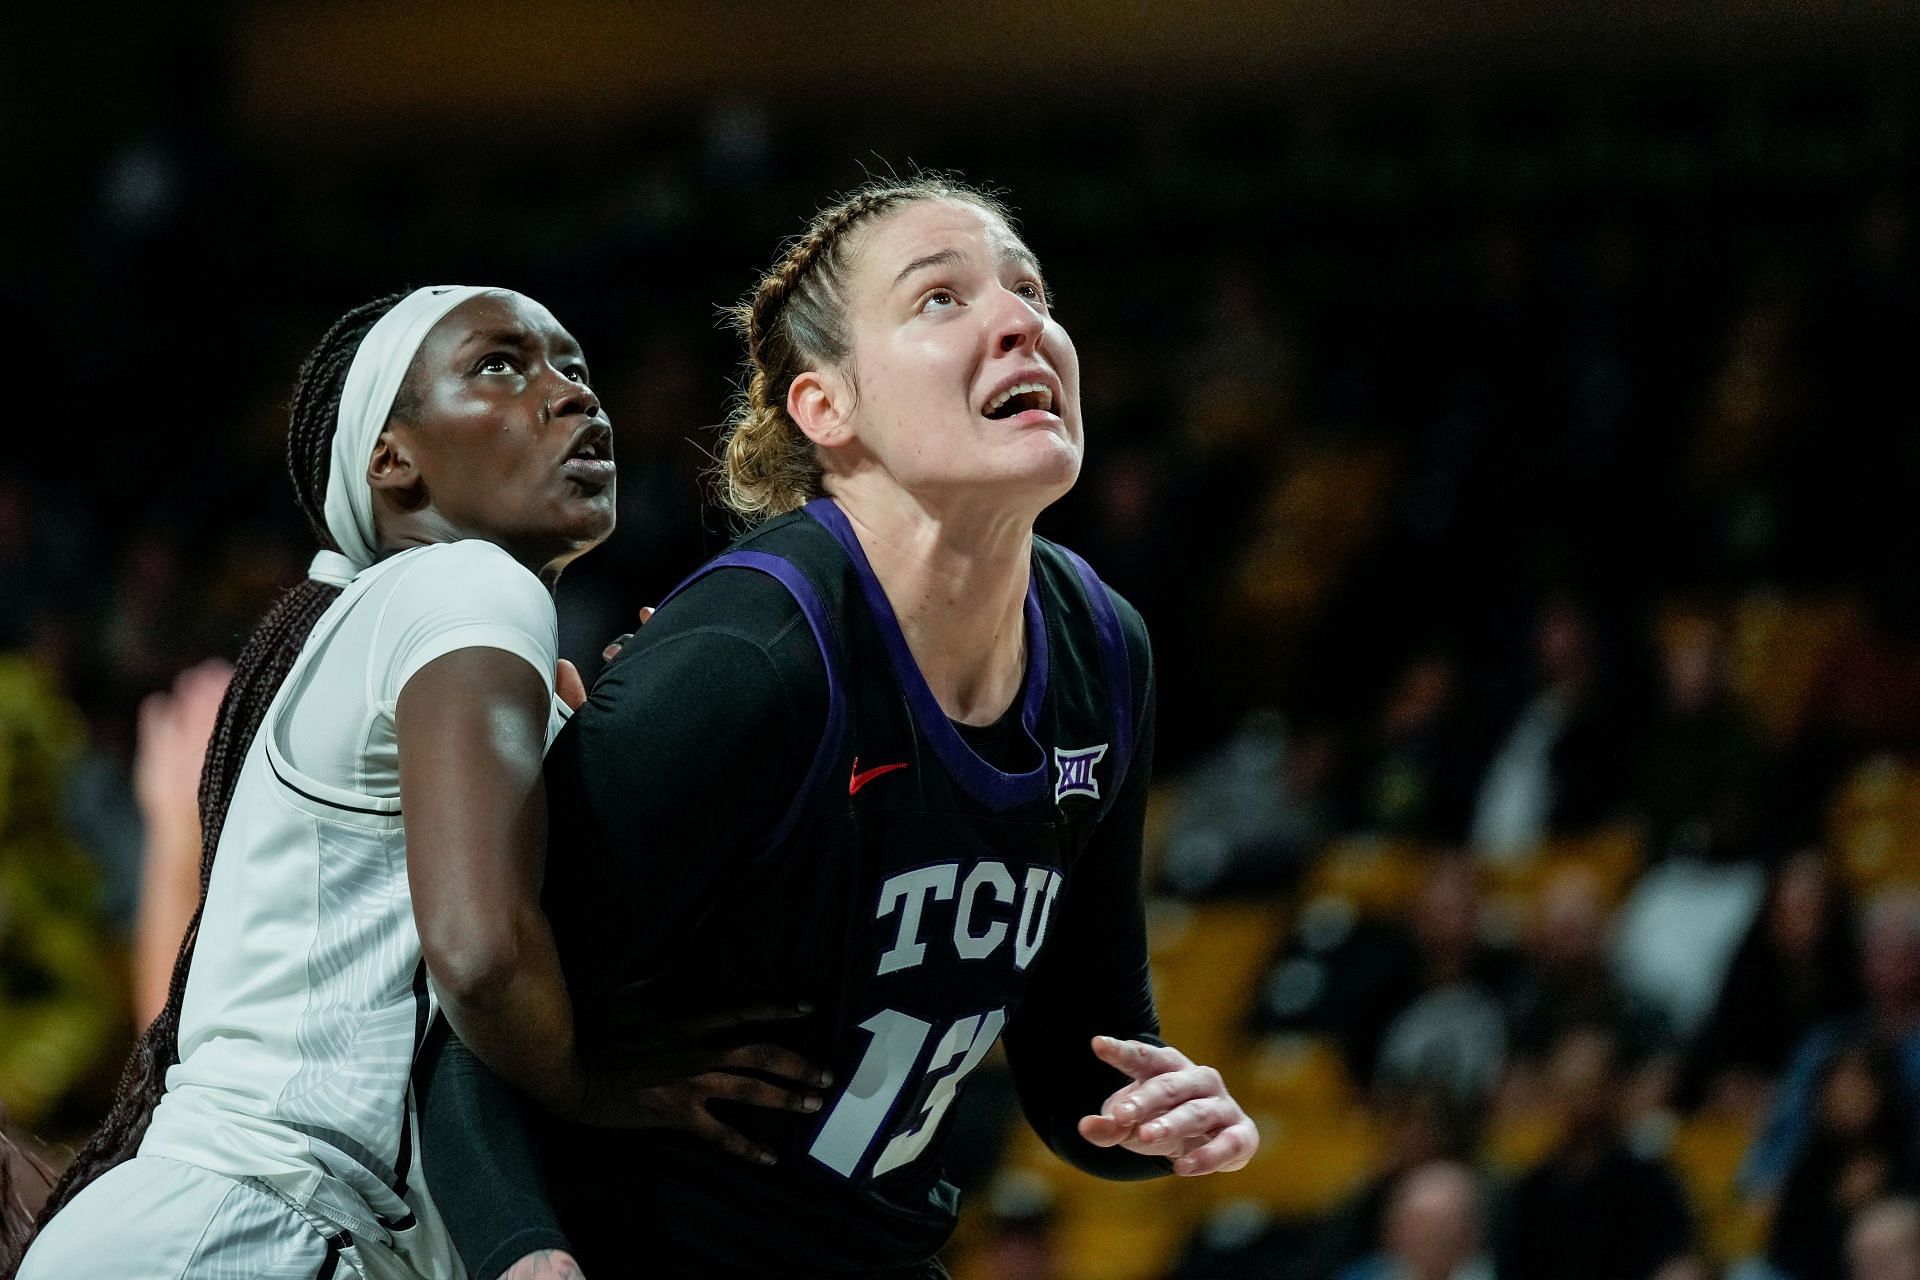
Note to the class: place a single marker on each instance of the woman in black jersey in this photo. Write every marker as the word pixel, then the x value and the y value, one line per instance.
pixel 888 759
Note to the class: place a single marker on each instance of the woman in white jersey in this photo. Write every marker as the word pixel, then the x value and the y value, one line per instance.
pixel 373 796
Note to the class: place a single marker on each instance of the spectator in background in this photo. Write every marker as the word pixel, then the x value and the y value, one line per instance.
pixel 1454 1030
pixel 1890 1023
pixel 1594 1210
pixel 1701 771
pixel 1435 1229
pixel 1557 768
pixel 1415 999
pixel 1861 1150
pixel 1249 816
pixel 1796 968
pixel 1884 1242
pixel 1866 702
pixel 1406 780
pixel 1570 981
pixel 140 633
pixel 1424 1123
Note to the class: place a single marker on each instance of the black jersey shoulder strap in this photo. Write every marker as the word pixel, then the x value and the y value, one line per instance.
pixel 1116 664
pixel 820 622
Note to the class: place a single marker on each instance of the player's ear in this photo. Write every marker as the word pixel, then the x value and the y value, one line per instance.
pixel 820 402
pixel 392 465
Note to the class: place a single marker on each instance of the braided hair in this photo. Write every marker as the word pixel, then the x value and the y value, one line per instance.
pixel 263 665
pixel 794 320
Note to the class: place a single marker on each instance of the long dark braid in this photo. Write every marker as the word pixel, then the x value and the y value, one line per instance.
pixel 263 664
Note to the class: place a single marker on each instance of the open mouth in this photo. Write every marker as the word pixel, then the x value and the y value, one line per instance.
pixel 1020 398
pixel 594 445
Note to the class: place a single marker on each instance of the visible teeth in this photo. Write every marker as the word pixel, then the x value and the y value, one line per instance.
pixel 1040 389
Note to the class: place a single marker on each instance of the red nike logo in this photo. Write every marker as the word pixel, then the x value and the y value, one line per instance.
pixel 859 779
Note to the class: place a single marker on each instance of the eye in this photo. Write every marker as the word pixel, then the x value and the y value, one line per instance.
pixel 577 372
pixel 1033 291
pixel 497 362
pixel 939 300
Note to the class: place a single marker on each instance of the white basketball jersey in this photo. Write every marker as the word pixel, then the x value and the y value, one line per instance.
pixel 308 997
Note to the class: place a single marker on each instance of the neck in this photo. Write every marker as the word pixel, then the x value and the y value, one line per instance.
pixel 404 531
pixel 957 582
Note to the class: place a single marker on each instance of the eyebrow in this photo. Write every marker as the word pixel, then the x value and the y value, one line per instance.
pixel 522 338
pixel 1016 254
pixel 501 337
pixel 942 258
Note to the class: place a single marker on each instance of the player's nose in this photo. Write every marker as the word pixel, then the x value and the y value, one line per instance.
pixel 569 398
pixel 1014 324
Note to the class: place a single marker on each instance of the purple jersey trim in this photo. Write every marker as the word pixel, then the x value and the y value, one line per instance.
pixel 1118 665
pixel 996 790
pixel 789 576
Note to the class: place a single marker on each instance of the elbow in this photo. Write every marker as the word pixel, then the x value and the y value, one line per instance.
pixel 471 964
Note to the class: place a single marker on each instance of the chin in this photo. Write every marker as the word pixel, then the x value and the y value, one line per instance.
pixel 1054 467
pixel 584 526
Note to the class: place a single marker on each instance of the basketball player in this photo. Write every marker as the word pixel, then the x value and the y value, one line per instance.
pixel 888 757
pixel 373 796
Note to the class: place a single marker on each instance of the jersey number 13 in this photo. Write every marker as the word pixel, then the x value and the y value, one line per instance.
pixel 853 1127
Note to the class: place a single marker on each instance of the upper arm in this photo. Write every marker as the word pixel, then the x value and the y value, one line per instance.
pixel 466 652
pixel 1100 946
pixel 471 726
pixel 685 756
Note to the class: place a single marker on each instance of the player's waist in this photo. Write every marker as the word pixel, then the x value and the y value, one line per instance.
pixel 350 1171
pixel 805 1220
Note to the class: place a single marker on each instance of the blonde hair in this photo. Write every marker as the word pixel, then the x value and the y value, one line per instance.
pixel 795 320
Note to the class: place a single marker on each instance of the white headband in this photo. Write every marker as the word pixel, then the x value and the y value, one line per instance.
pixel 373 380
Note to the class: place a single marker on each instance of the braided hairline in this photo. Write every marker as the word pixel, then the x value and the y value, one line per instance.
pixel 819 240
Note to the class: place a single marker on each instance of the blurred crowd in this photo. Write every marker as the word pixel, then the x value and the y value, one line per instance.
pixel 1514 479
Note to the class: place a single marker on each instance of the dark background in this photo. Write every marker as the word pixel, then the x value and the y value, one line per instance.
pixel 1437 357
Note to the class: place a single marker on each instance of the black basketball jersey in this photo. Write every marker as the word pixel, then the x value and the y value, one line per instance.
pixel 906 893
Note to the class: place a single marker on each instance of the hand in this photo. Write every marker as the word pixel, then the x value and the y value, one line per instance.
pixel 545 1264
pixel 172 746
pixel 568 685
pixel 175 728
pixel 1172 1108
pixel 619 642
pixel 663 1074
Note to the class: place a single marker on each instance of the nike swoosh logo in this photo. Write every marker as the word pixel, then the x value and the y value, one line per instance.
pixel 859 779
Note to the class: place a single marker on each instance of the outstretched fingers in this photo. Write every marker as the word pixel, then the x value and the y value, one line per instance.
pixel 774 1060
pixel 1179 1130
pixel 1146 1100
pixel 1172 1107
pixel 1224 1151
pixel 755 1092
pixel 1137 1058
pixel 701 1123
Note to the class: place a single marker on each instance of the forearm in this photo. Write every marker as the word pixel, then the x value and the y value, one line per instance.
pixel 1093 977
pixel 510 1006
pixel 481 1161
pixel 1092 980
pixel 1065 1082
pixel 169 889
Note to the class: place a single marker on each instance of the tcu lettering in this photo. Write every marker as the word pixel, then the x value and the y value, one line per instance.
pixel 981 914
pixel 897 1099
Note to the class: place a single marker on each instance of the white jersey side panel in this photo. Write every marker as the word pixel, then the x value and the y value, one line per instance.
pixel 308 997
